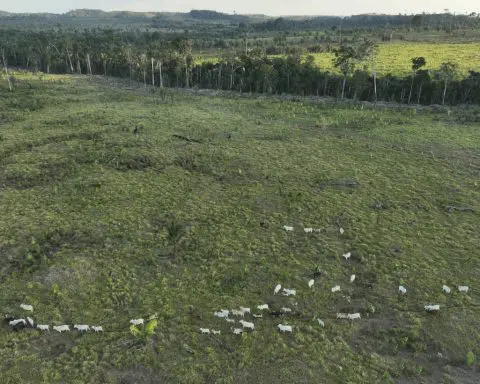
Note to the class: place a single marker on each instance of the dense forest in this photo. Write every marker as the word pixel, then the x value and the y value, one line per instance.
pixel 273 66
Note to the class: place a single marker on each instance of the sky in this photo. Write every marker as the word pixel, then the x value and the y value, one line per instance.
pixel 268 7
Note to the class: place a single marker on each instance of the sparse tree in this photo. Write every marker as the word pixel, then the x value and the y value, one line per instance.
pixel 368 52
pixel 345 61
pixel 348 57
pixel 448 71
pixel 417 63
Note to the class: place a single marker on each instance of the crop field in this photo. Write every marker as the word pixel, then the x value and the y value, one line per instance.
pixel 396 58
pixel 120 203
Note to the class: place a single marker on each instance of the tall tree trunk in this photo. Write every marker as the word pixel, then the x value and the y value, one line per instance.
pixel 69 57
pixel 465 95
pixel 325 86
pixel 153 74
pixel 79 67
pixel 145 77
pixel 89 64
pixel 419 93
pixel 105 68
pixel 444 92
pixel 186 72
pixel 343 86
pixel 411 88
pixel 5 67
pixel 160 73
pixel 375 86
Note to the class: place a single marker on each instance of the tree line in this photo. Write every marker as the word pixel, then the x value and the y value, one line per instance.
pixel 424 21
pixel 155 61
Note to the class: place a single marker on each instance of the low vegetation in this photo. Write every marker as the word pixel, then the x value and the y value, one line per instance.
pixel 120 204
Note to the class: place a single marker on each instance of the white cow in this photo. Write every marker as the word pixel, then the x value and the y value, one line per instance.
pixel 289 292
pixel 284 328
pixel 13 323
pixel 277 289
pixel 81 327
pixel 247 324
pixel 26 307
pixel 223 313
pixel 237 312
pixel 336 288
pixel 61 328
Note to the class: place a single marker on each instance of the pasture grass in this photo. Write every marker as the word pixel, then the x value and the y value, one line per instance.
pixel 395 58
pixel 100 225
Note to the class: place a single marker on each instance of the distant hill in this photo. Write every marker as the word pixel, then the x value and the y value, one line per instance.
pixel 217 16
pixel 86 13
pixel 218 24
pixel 120 19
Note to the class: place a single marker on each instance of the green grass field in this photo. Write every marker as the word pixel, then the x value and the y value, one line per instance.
pixel 396 58
pixel 100 225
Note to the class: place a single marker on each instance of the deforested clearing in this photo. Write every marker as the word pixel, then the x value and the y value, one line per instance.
pixel 107 216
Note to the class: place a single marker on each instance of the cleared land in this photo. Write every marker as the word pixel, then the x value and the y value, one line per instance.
pixel 396 58
pixel 100 225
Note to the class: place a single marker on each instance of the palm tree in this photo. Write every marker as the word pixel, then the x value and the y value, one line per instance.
pixel 417 63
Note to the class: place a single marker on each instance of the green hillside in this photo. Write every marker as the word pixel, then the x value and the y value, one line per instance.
pixel 121 203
